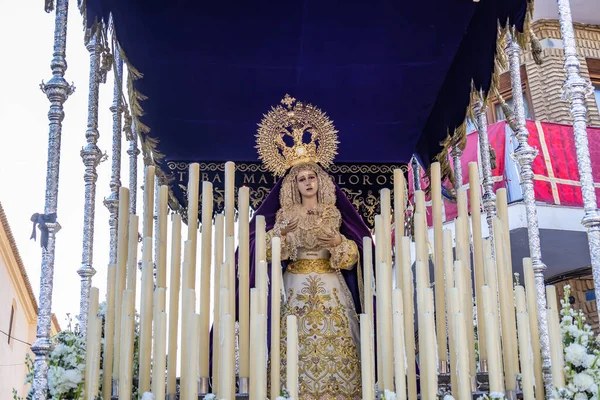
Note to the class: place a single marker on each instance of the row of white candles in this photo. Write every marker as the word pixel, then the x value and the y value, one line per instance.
pixel 498 346
pixel 501 307
pixel 195 327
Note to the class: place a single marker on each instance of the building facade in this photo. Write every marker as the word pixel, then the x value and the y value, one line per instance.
pixel 542 89
pixel 18 315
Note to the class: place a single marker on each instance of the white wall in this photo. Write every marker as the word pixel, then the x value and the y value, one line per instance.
pixel 12 356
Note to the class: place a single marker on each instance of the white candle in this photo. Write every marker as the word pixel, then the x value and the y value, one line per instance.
pixel 121 268
pixel 384 297
pixel 109 332
pixel 160 358
pixel 193 189
pixel 191 382
pixel 261 241
pixel 275 316
pixel 218 261
pixel 174 286
pixel 430 361
pixel 438 251
pixel 205 267
pixel 526 356
pixel 254 312
pixel 475 197
pixel 148 201
pixel 159 351
pixel 399 353
pixel 507 310
pixel 231 277
pixel 96 353
pixel 161 262
pixel 261 284
pixel 187 309
pixel 399 210
pixel 494 353
pixel 261 356
pixel 462 359
pixel 556 349
pixel 91 343
pixel 454 342
pixel 386 216
pixel 226 375
pixel 379 253
pixel 229 198
pixel 125 358
pixel 366 351
pixel 132 253
pixel 409 318
pixel 146 321
pixel 244 280
pixel 533 326
pixel 368 276
pixel 292 356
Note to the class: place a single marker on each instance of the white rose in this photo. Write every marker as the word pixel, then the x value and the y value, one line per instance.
pixel 580 396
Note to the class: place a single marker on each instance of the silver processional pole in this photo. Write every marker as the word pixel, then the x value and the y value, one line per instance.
pixel 575 90
pixel 57 90
pixel 91 156
pixel 525 155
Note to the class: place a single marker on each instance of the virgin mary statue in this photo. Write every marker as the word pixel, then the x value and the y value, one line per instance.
pixel 321 235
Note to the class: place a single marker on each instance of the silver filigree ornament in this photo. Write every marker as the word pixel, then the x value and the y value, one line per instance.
pixel 112 201
pixel 525 155
pixel 57 91
pixel 576 89
pixel 489 197
pixel 91 156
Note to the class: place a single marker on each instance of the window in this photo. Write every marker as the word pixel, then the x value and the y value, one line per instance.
pixel 597 94
pixel 495 112
pixel 11 323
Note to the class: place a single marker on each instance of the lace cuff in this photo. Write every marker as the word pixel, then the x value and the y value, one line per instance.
pixel 344 255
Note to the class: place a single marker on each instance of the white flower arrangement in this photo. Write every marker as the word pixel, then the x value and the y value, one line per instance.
pixel 492 395
pixel 66 363
pixel 581 352
pixel 388 395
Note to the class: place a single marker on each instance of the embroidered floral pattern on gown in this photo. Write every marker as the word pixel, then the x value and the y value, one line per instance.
pixel 317 294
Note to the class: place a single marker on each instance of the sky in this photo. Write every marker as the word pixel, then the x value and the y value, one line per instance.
pixel 24 149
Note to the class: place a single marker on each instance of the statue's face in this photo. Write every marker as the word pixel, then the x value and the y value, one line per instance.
pixel 308 183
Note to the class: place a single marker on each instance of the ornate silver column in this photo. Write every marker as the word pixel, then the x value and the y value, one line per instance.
pixel 57 90
pixel 458 178
pixel 489 197
pixel 91 157
pixel 112 201
pixel 525 155
pixel 575 90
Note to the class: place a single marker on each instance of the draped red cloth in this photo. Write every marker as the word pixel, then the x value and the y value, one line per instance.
pixel 556 175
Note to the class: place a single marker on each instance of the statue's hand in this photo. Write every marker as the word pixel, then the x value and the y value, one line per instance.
pixel 290 226
pixel 329 240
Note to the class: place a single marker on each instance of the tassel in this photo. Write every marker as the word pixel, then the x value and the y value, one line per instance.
pixel 492 157
pixel 536 48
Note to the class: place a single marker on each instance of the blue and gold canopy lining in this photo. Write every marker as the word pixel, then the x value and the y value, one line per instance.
pixel 394 76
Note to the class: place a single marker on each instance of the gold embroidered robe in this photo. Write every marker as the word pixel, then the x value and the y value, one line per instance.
pixel 317 294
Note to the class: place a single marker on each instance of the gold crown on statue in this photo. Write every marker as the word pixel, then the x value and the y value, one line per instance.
pixel 292 122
